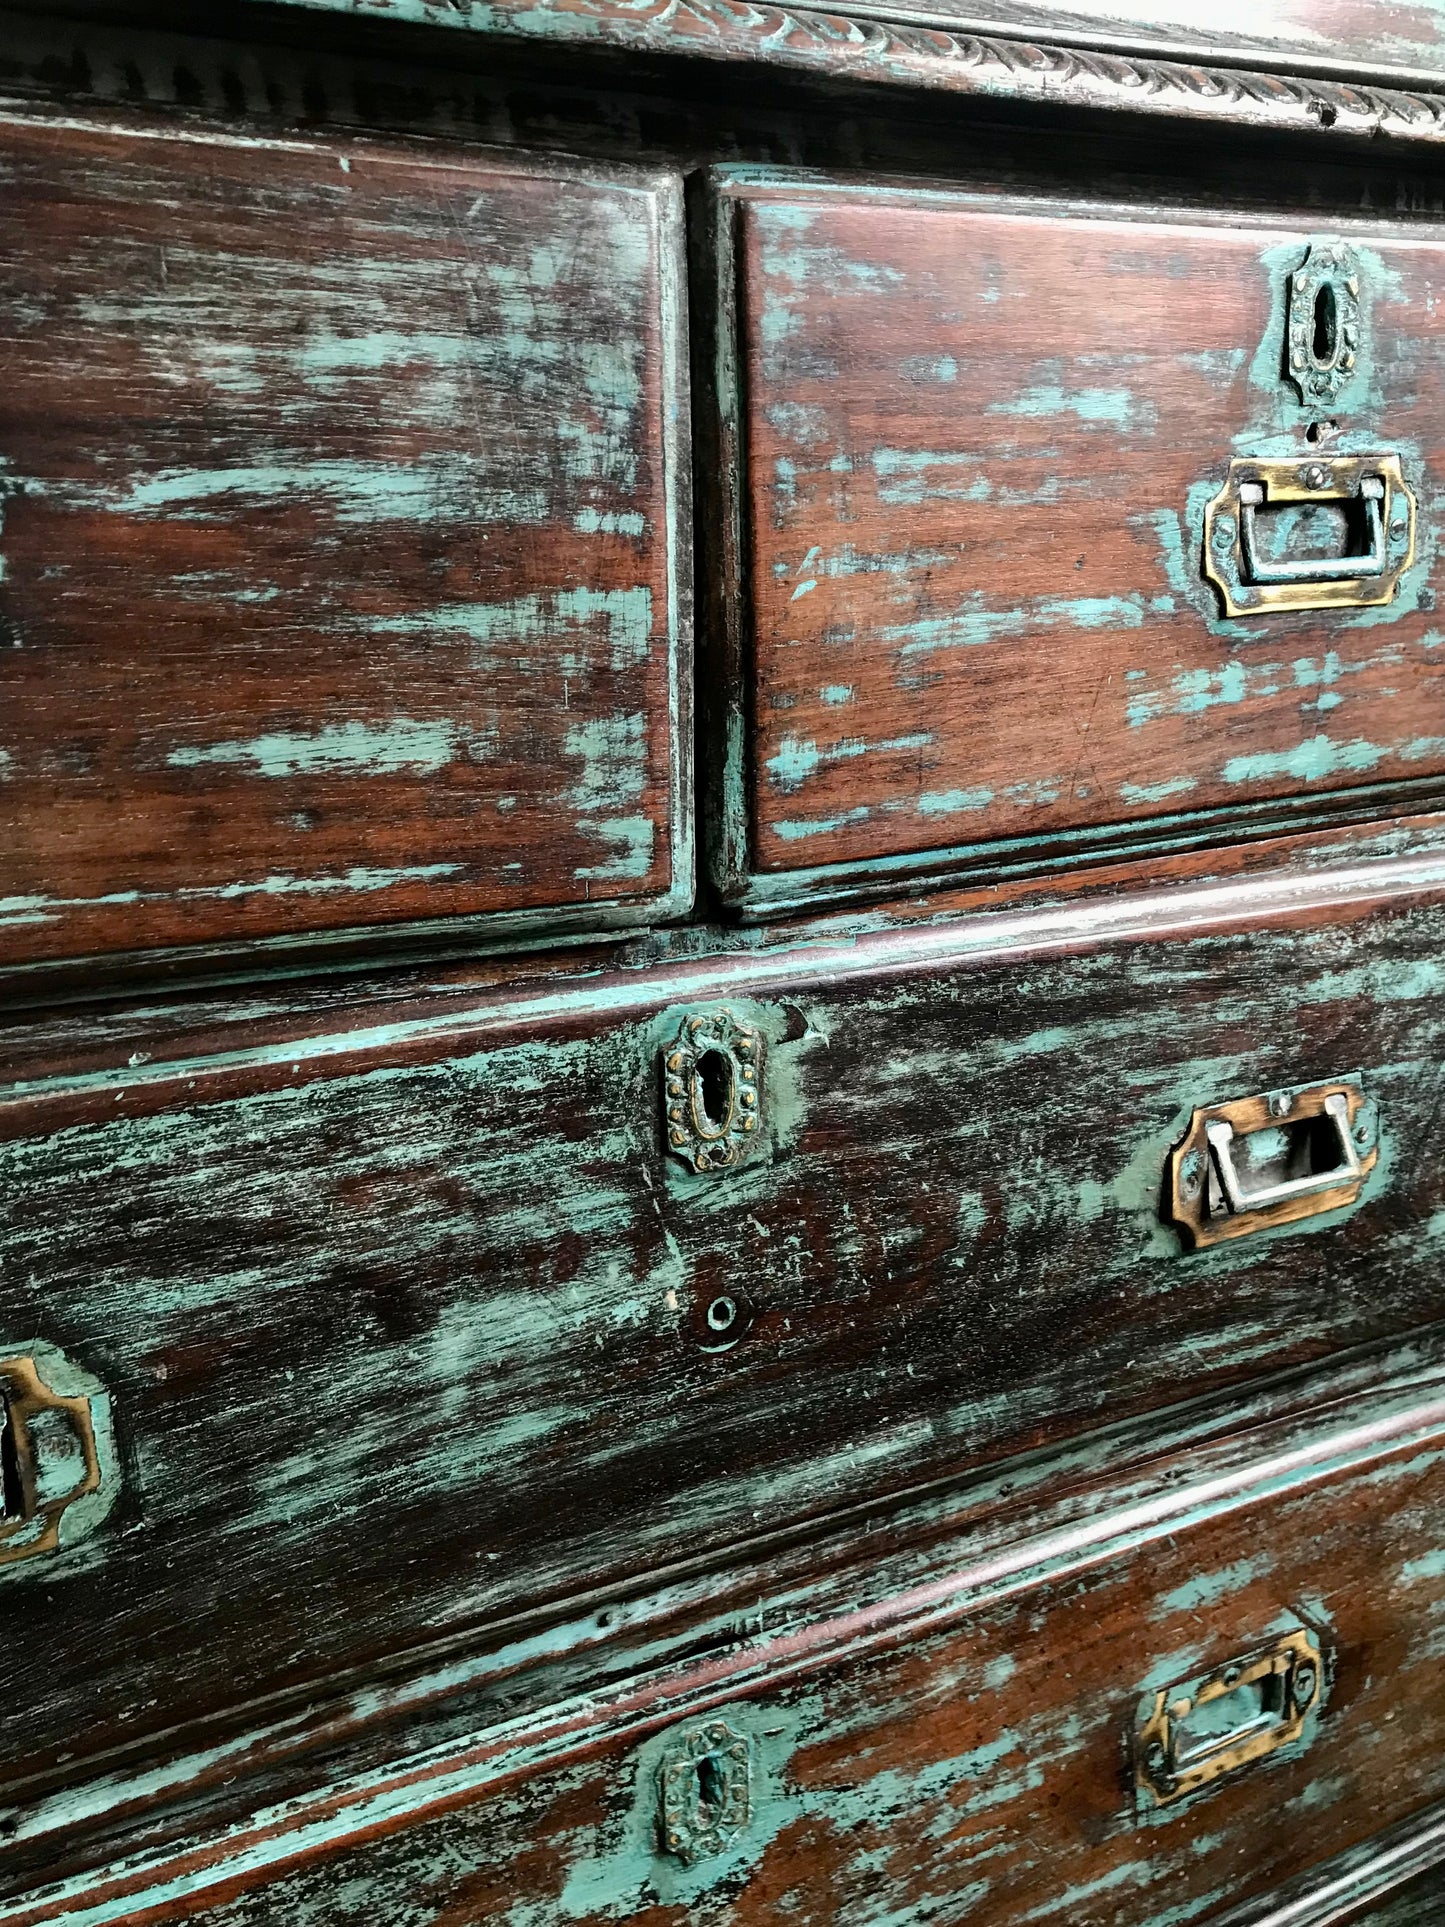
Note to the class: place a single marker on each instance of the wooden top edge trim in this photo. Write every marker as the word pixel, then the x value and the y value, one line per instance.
pixel 951 60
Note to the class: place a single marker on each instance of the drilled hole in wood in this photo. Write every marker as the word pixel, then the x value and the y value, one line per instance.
pixel 1318 432
pixel 722 1314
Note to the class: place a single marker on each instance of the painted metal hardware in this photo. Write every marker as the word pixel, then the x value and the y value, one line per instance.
pixel 705 1787
pixel 1197 1730
pixel 51 1454
pixel 1374 497
pixel 1271 1159
pixel 1322 334
pixel 712 1090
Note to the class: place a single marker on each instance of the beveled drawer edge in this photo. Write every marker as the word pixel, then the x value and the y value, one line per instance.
pixel 1381 1419
pixel 369 1036
pixel 1356 1879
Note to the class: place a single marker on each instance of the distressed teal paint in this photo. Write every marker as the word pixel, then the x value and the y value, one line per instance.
pixel 1046 401
pixel 953 802
pixel 1320 757
pixel 941 368
pixel 1194 690
pixel 590 521
pixel 360 879
pixel 976 622
pixel 539 621
pixel 837 693
pixel 1157 792
pixel 366 749
pixel 796 759
pixel 1208 1588
pixel 611 1874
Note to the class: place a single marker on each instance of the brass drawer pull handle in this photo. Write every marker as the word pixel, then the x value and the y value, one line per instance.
pixel 1270 1159
pixel 1338 568
pixel 57 1477
pixel 1252 583
pixel 1197 1730
pixel 1221 1135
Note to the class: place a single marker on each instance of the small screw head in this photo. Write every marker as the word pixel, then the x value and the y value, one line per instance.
pixel 1191 1175
pixel 1306 1678
pixel 1281 1104
pixel 1317 476
pixel 1154 1756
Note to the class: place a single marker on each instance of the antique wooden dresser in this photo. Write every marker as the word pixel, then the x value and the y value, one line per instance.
pixel 722 931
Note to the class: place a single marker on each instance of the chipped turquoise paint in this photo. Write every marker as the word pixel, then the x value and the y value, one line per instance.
pixel 590 521
pixel 1157 792
pixel 837 693
pixel 929 368
pixel 1308 762
pixel 953 802
pixel 344 749
pixel 798 828
pixel 976 622
pixel 359 879
pixel 1046 401
pixel 1207 1588
pixel 613 751
pixel 539 621
pixel 1430 1565
pixel 352 491
pixel 797 759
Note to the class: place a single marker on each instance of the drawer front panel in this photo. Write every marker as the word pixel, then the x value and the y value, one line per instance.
pixel 981 1772
pixel 425 1320
pixel 341 509
pixel 978 448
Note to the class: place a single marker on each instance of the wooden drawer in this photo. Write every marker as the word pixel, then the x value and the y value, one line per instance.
pixel 412 1316
pixel 344 511
pixel 957 1730
pixel 973 444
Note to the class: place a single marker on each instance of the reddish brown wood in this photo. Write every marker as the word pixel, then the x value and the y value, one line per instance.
pixel 977 442
pixel 343 529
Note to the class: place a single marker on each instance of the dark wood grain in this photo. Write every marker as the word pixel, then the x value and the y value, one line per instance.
pixel 962 1760
pixel 403 1321
pixel 344 533
pixel 974 452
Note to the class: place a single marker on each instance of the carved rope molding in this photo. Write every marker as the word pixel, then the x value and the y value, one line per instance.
pixel 840 47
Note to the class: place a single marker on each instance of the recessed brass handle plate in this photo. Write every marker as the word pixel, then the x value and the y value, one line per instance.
pixel 50 1457
pixel 1270 1159
pixel 1373 491
pixel 1197 1730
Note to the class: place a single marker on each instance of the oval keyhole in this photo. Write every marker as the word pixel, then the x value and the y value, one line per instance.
pixel 711 1787
pixel 1327 326
pixel 713 1094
